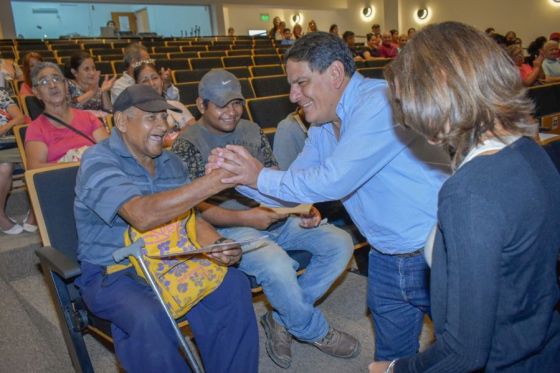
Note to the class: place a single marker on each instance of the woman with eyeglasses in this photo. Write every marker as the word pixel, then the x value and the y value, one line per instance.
pixel 83 84
pixel 61 133
pixel 493 284
pixel 147 73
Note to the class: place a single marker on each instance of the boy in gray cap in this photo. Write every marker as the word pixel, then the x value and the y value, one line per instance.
pixel 129 180
pixel 221 103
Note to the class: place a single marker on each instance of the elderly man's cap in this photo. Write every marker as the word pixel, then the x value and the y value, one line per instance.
pixel 142 97
pixel 220 87
pixel 555 36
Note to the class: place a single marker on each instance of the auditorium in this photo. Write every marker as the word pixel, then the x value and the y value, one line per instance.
pixel 280 186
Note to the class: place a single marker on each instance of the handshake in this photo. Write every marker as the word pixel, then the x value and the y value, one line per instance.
pixel 242 167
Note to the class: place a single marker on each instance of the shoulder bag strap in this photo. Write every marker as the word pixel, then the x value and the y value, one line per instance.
pixel 69 127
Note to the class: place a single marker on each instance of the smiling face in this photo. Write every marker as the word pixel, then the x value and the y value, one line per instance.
pixel 149 76
pixel 221 120
pixel 86 72
pixel 143 132
pixel 313 91
pixel 50 87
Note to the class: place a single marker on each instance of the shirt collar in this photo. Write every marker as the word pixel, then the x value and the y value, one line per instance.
pixel 348 99
pixel 118 146
pixel 127 77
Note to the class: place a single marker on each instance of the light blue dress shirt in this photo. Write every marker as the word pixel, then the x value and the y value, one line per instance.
pixel 387 177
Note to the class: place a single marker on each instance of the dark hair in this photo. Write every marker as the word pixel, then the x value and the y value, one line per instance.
pixel 333 26
pixel 471 86
pixel 375 25
pixel 320 50
pixel 536 45
pixel 26 68
pixel 369 36
pixel 393 32
pixel 74 63
pixel 489 30
pixel 141 68
pixel 499 39
pixel 132 54
pixel 347 35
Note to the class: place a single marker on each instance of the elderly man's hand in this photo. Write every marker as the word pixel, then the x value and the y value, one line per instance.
pixel 237 160
pixel 260 217
pixel 229 256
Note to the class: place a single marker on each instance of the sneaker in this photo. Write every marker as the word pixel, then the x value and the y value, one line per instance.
pixel 338 344
pixel 278 341
pixel 28 227
pixel 15 229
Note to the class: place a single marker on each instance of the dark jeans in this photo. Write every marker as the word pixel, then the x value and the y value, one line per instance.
pixel 223 323
pixel 398 298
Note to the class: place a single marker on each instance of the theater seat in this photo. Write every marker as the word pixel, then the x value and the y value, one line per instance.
pixel 267 112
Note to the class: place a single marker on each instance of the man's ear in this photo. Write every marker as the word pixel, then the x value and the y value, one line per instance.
pixel 200 105
pixel 336 74
pixel 121 121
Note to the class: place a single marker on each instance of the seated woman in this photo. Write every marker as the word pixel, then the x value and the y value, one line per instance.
pixel 30 60
pixel 10 115
pixel 48 140
pixel 493 281
pixel 371 51
pixel 147 73
pixel 529 75
pixel 9 72
pixel 83 84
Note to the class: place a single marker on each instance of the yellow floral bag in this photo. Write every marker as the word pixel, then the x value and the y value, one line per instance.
pixel 182 280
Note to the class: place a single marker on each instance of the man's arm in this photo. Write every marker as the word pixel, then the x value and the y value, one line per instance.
pixel 206 235
pixel 258 217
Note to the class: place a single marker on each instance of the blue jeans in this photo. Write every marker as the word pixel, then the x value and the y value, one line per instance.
pixel 291 297
pixel 398 298
pixel 223 323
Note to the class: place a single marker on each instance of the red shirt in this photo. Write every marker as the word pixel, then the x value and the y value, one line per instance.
pixel 60 140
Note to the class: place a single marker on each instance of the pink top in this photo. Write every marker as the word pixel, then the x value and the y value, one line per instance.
pixel 387 51
pixel 60 140
pixel 525 70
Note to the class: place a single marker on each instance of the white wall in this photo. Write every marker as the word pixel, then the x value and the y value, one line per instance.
pixel 86 19
pixel 529 18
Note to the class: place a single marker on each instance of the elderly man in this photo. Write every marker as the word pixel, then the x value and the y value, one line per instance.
pixel 134 55
pixel 374 167
pixel 551 63
pixel 129 181
pixel 221 103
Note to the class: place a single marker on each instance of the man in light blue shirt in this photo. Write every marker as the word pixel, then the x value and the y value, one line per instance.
pixel 381 172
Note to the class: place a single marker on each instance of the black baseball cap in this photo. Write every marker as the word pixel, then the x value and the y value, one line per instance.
pixel 142 97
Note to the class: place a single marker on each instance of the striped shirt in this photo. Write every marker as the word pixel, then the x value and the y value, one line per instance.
pixel 108 177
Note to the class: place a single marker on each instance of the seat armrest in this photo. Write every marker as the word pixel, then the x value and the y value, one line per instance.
pixel 58 262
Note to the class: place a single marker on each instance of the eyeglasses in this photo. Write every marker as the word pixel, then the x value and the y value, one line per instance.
pixel 48 79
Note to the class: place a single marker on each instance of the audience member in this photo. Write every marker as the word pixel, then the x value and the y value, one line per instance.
pixel 83 84
pixel 280 31
pixel 555 36
pixel 30 60
pixel 240 218
pixel 274 30
pixel 376 29
pixel 287 37
pixel 10 115
pixel 10 73
pixel 61 133
pixel 493 279
pixel 179 119
pixel 231 31
pixel 371 51
pixel 134 54
pixel 403 39
pixel 535 49
pixel 490 31
pixel 411 32
pixel 334 30
pixel 359 156
pixel 510 37
pixel 127 182
pixel 551 63
pixel 395 37
pixel 312 26
pixel 289 138
pixel 529 75
pixel 500 39
pixel 387 49
pixel 298 31
pixel 350 40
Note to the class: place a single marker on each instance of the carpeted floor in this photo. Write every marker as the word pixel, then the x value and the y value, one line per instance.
pixel 31 341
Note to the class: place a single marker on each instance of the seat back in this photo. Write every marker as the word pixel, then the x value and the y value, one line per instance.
pixel 372 72
pixel 268 111
pixel 552 147
pixel 33 106
pixel 546 98
pixel 265 70
pixel 52 195
pixel 19 132
pixel 270 85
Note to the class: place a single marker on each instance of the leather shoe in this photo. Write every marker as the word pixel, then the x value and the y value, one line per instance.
pixel 338 344
pixel 278 341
